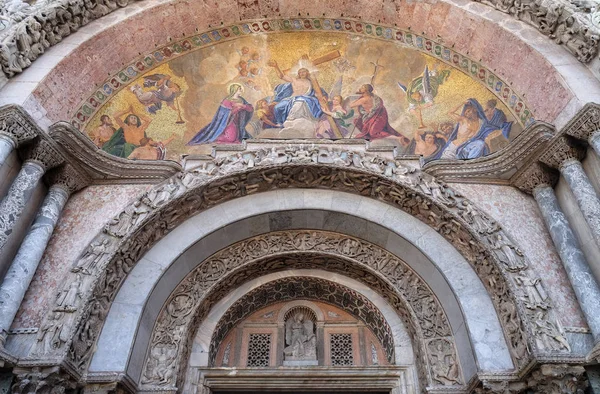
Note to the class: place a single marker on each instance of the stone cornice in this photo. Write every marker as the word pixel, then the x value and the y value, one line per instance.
pixel 585 123
pixel 535 175
pixel 104 168
pixel 568 144
pixel 562 149
pixel 498 167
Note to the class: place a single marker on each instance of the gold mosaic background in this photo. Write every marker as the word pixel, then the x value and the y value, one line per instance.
pixel 203 77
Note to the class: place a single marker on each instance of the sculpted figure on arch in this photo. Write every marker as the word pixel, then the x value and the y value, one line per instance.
pixel 300 339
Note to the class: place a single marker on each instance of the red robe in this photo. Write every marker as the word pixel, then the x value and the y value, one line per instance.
pixel 374 124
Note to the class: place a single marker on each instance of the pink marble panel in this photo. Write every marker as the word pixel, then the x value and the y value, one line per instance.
pixel 519 216
pixel 84 216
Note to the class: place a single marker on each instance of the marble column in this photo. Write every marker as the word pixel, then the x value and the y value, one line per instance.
pixel 6 147
pixel 584 193
pixel 594 141
pixel 580 275
pixel 30 253
pixel 40 157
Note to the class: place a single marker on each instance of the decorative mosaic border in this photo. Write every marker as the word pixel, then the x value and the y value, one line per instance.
pixel 492 82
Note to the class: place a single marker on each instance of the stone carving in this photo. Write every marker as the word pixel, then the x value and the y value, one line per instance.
pixel 300 339
pixel 67 300
pixel 568 25
pixel 402 189
pixel 425 312
pixel 444 365
pixel 305 288
pixel 41 381
pixel 226 355
pixel 535 175
pixel 44 153
pixel 16 127
pixel 536 296
pixel 92 256
pixel 558 379
pixel 53 333
pixel 477 219
pixel 374 357
pixel 585 123
pixel 562 149
pixel 508 254
pixel 548 335
pixel 68 178
pixel 128 219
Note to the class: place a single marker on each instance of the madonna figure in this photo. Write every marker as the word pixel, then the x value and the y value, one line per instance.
pixel 229 123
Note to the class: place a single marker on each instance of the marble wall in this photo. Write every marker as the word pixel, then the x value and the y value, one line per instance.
pixel 519 215
pixel 83 217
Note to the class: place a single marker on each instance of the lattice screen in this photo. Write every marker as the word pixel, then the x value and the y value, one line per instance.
pixel 341 350
pixel 259 350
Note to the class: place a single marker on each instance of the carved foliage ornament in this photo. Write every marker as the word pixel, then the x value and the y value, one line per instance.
pixel 164 207
pixel 212 280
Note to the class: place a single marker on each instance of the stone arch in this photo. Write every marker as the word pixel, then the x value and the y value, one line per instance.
pixel 144 222
pixel 299 292
pixel 408 294
pixel 291 306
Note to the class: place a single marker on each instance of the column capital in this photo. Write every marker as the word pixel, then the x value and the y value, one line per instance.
pixel 39 379
pixel 585 123
pixel 534 176
pixel 562 150
pixel 68 178
pixel 17 132
pixel 44 153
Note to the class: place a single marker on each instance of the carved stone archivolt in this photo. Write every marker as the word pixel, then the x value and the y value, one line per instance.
pixel 165 206
pixel 305 288
pixel 225 270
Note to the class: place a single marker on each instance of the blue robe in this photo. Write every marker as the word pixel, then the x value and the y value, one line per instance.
pixel 285 101
pixel 476 146
pixel 222 118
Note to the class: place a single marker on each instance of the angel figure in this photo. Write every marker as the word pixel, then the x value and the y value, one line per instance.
pixel 300 339
pixel 333 124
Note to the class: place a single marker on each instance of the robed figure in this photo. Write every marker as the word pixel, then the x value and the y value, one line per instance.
pixel 300 339
pixel 468 138
pixel 299 97
pixel 373 121
pixel 229 123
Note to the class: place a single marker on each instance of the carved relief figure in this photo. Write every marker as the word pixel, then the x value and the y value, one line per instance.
pixel 300 339
pixel 509 255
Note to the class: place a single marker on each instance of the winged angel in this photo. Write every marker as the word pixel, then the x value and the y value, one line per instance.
pixel 300 339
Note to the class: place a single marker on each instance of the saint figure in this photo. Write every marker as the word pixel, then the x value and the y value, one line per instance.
pixel 129 135
pixel 373 120
pixel 298 98
pixel 300 339
pixel 229 123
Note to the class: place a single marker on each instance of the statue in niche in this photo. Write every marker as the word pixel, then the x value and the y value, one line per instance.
pixel 300 339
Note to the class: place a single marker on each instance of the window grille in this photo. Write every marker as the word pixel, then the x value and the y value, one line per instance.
pixel 259 350
pixel 341 350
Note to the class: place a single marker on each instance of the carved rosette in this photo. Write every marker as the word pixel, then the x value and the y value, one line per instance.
pixel 148 219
